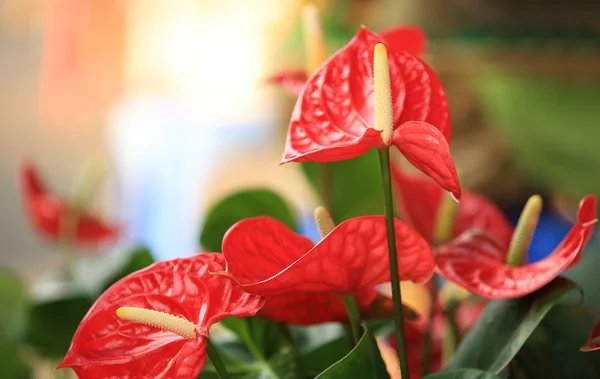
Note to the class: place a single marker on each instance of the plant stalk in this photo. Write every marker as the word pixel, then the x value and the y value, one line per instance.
pixel 215 358
pixel 353 315
pixel 384 161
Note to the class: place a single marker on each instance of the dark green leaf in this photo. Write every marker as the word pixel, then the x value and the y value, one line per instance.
pixel 462 374
pixel 13 366
pixel 14 301
pixel 552 351
pixel 504 326
pixel 240 205
pixel 51 325
pixel 139 258
pixel 364 361
pixel 361 174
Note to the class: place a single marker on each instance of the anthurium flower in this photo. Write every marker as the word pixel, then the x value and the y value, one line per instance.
pixel 480 264
pixel 334 117
pixel 421 203
pixel 407 38
pixel 154 323
pixel 83 58
pixel 48 212
pixel 593 341
pixel 266 258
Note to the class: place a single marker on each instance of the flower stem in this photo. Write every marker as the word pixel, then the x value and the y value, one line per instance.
pixel 428 338
pixel 384 161
pixel 215 358
pixel 353 315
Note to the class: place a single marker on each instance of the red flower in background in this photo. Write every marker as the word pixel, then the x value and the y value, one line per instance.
pixel 478 263
pixel 334 116
pixel 593 341
pixel 107 346
pixel 83 58
pixel 407 38
pixel 420 200
pixel 266 258
pixel 48 213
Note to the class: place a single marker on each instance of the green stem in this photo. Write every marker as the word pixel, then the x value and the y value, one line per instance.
pixel 326 187
pixel 428 337
pixel 353 315
pixel 256 351
pixel 384 161
pixel 286 332
pixel 215 358
pixel 452 338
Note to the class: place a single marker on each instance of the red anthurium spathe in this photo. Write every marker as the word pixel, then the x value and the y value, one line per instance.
pixel 190 299
pixel 420 201
pixel 48 212
pixel 334 117
pixel 266 258
pixel 479 263
pixel 407 38
pixel 593 341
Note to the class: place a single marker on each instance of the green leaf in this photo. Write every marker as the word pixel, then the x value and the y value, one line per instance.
pixel 13 365
pixel 364 361
pixel 139 258
pixel 504 326
pixel 552 351
pixel 14 301
pixel 361 174
pixel 462 374
pixel 51 325
pixel 240 205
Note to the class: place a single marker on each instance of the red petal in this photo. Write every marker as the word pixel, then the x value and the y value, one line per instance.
pixel 306 308
pixel 106 346
pixel 418 198
pixel 586 214
pixel 83 59
pixel 267 258
pixel 477 212
pixel 593 341
pixel 478 263
pixel 333 117
pixel 426 149
pixel 409 38
pixel 292 80
pixel 47 212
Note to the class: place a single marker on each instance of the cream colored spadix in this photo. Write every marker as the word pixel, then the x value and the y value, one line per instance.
pixel 162 320
pixel 324 221
pixel 316 51
pixel 444 222
pixel 384 120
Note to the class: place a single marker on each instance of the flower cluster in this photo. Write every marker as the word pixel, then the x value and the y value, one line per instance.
pixel 375 92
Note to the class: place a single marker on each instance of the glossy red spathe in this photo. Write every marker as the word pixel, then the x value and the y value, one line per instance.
pixel 47 212
pixel 334 115
pixel 419 199
pixel 267 258
pixel 593 341
pixel 106 346
pixel 478 263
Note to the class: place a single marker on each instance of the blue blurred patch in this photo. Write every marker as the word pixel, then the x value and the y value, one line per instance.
pixel 551 229
pixel 308 227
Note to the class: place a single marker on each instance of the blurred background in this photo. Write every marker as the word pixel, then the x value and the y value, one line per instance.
pixel 170 95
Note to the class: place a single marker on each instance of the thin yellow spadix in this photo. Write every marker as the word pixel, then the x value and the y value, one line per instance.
pixel 324 221
pixel 383 93
pixel 517 252
pixel 162 320
pixel 316 51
